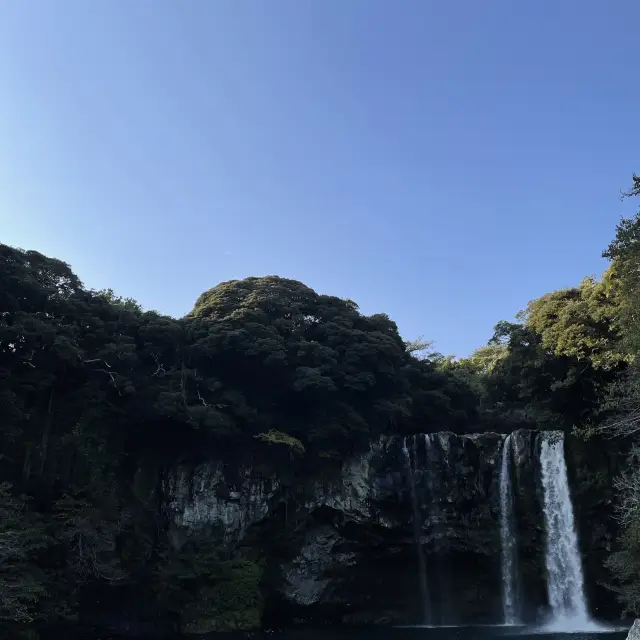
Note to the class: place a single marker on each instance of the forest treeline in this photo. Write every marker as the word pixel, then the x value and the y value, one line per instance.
pixel 99 399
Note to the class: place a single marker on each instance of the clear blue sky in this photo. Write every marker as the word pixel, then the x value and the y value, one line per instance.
pixel 443 162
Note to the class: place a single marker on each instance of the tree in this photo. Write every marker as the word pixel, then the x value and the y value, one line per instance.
pixel 485 359
pixel 21 538
pixel 623 406
pixel 88 533
pixel 581 322
pixel 624 253
pixel 210 587
pixel 308 365
pixel 100 399
pixel 419 348
pixel 555 366
pixel 624 564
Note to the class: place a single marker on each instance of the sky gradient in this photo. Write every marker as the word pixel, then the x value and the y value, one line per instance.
pixel 442 162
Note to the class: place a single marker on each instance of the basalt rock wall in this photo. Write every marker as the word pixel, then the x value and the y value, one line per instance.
pixel 341 547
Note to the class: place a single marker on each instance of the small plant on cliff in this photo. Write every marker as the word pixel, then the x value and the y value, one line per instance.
pixel 279 438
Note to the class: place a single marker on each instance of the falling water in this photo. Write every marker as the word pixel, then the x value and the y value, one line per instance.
pixel 443 609
pixel 417 530
pixel 508 546
pixel 564 569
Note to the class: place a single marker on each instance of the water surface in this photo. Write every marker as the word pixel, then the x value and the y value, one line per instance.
pixel 486 632
pixel 444 633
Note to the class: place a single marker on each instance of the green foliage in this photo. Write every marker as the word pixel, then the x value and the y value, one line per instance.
pixel 88 531
pixel 97 394
pixel 624 253
pixel 581 322
pixel 484 360
pixel 313 367
pixel 622 405
pixel 22 537
pixel 210 588
pixel 278 438
pixel 309 365
pixel 419 348
pixel 624 564
pixel 554 368
pixel 101 399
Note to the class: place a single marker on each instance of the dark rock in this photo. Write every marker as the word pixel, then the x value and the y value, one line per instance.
pixel 342 547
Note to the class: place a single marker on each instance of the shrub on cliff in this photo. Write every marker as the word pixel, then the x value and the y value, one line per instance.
pixel 22 537
pixel 210 587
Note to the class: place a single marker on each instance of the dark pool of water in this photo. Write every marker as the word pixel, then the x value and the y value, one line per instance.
pixel 441 633
pixel 395 633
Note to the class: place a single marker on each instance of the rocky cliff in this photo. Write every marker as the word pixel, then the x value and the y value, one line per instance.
pixel 342 546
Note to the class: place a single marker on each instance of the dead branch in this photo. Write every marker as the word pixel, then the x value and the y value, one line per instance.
pixel 160 369
pixel 204 404
pixel 113 379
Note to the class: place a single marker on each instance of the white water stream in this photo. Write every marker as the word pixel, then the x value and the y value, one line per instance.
pixel 508 543
pixel 417 530
pixel 565 582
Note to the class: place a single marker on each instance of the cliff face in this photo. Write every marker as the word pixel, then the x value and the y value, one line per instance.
pixel 342 547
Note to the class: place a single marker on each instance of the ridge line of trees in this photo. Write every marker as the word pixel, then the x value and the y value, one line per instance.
pixel 100 399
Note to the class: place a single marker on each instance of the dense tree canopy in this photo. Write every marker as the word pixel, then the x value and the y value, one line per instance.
pixel 561 359
pixel 94 391
pixel 307 364
pixel 100 399
pixel 571 363
pixel 624 405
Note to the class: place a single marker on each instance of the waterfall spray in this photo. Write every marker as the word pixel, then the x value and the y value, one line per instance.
pixel 422 565
pixel 565 584
pixel 508 542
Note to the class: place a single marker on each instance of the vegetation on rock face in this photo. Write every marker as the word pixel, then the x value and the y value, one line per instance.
pixel 571 362
pixel 210 588
pixel 100 400
pixel 21 539
pixel 624 407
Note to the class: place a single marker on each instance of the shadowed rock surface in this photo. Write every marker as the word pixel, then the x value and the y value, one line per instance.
pixel 342 546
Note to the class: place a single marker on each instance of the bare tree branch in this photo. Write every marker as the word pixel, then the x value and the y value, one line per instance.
pixel 160 370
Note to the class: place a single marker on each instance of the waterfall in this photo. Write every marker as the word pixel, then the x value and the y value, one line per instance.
pixel 508 545
pixel 564 568
pixel 417 530
pixel 444 611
